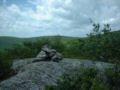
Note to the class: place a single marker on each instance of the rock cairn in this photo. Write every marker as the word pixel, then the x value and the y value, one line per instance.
pixel 49 54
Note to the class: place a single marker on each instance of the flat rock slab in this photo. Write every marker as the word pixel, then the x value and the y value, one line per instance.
pixel 35 76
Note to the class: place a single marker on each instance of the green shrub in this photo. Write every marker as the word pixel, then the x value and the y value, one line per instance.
pixel 5 65
pixel 89 79
pixel 113 77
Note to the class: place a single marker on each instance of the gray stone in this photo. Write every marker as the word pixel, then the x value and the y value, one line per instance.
pixel 57 57
pixel 42 54
pixel 35 76
pixel 47 53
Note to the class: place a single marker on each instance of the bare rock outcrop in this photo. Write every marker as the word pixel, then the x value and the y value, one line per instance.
pixel 35 76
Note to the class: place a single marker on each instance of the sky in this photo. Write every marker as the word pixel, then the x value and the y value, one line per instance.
pixel 33 18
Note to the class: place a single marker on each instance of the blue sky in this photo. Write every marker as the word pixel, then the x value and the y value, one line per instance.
pixel 31 18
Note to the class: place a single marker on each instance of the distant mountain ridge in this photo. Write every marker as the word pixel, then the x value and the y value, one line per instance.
pixel 8 42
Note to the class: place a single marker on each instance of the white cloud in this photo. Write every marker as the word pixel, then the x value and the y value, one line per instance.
pixel 14 9
pixel 51 17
